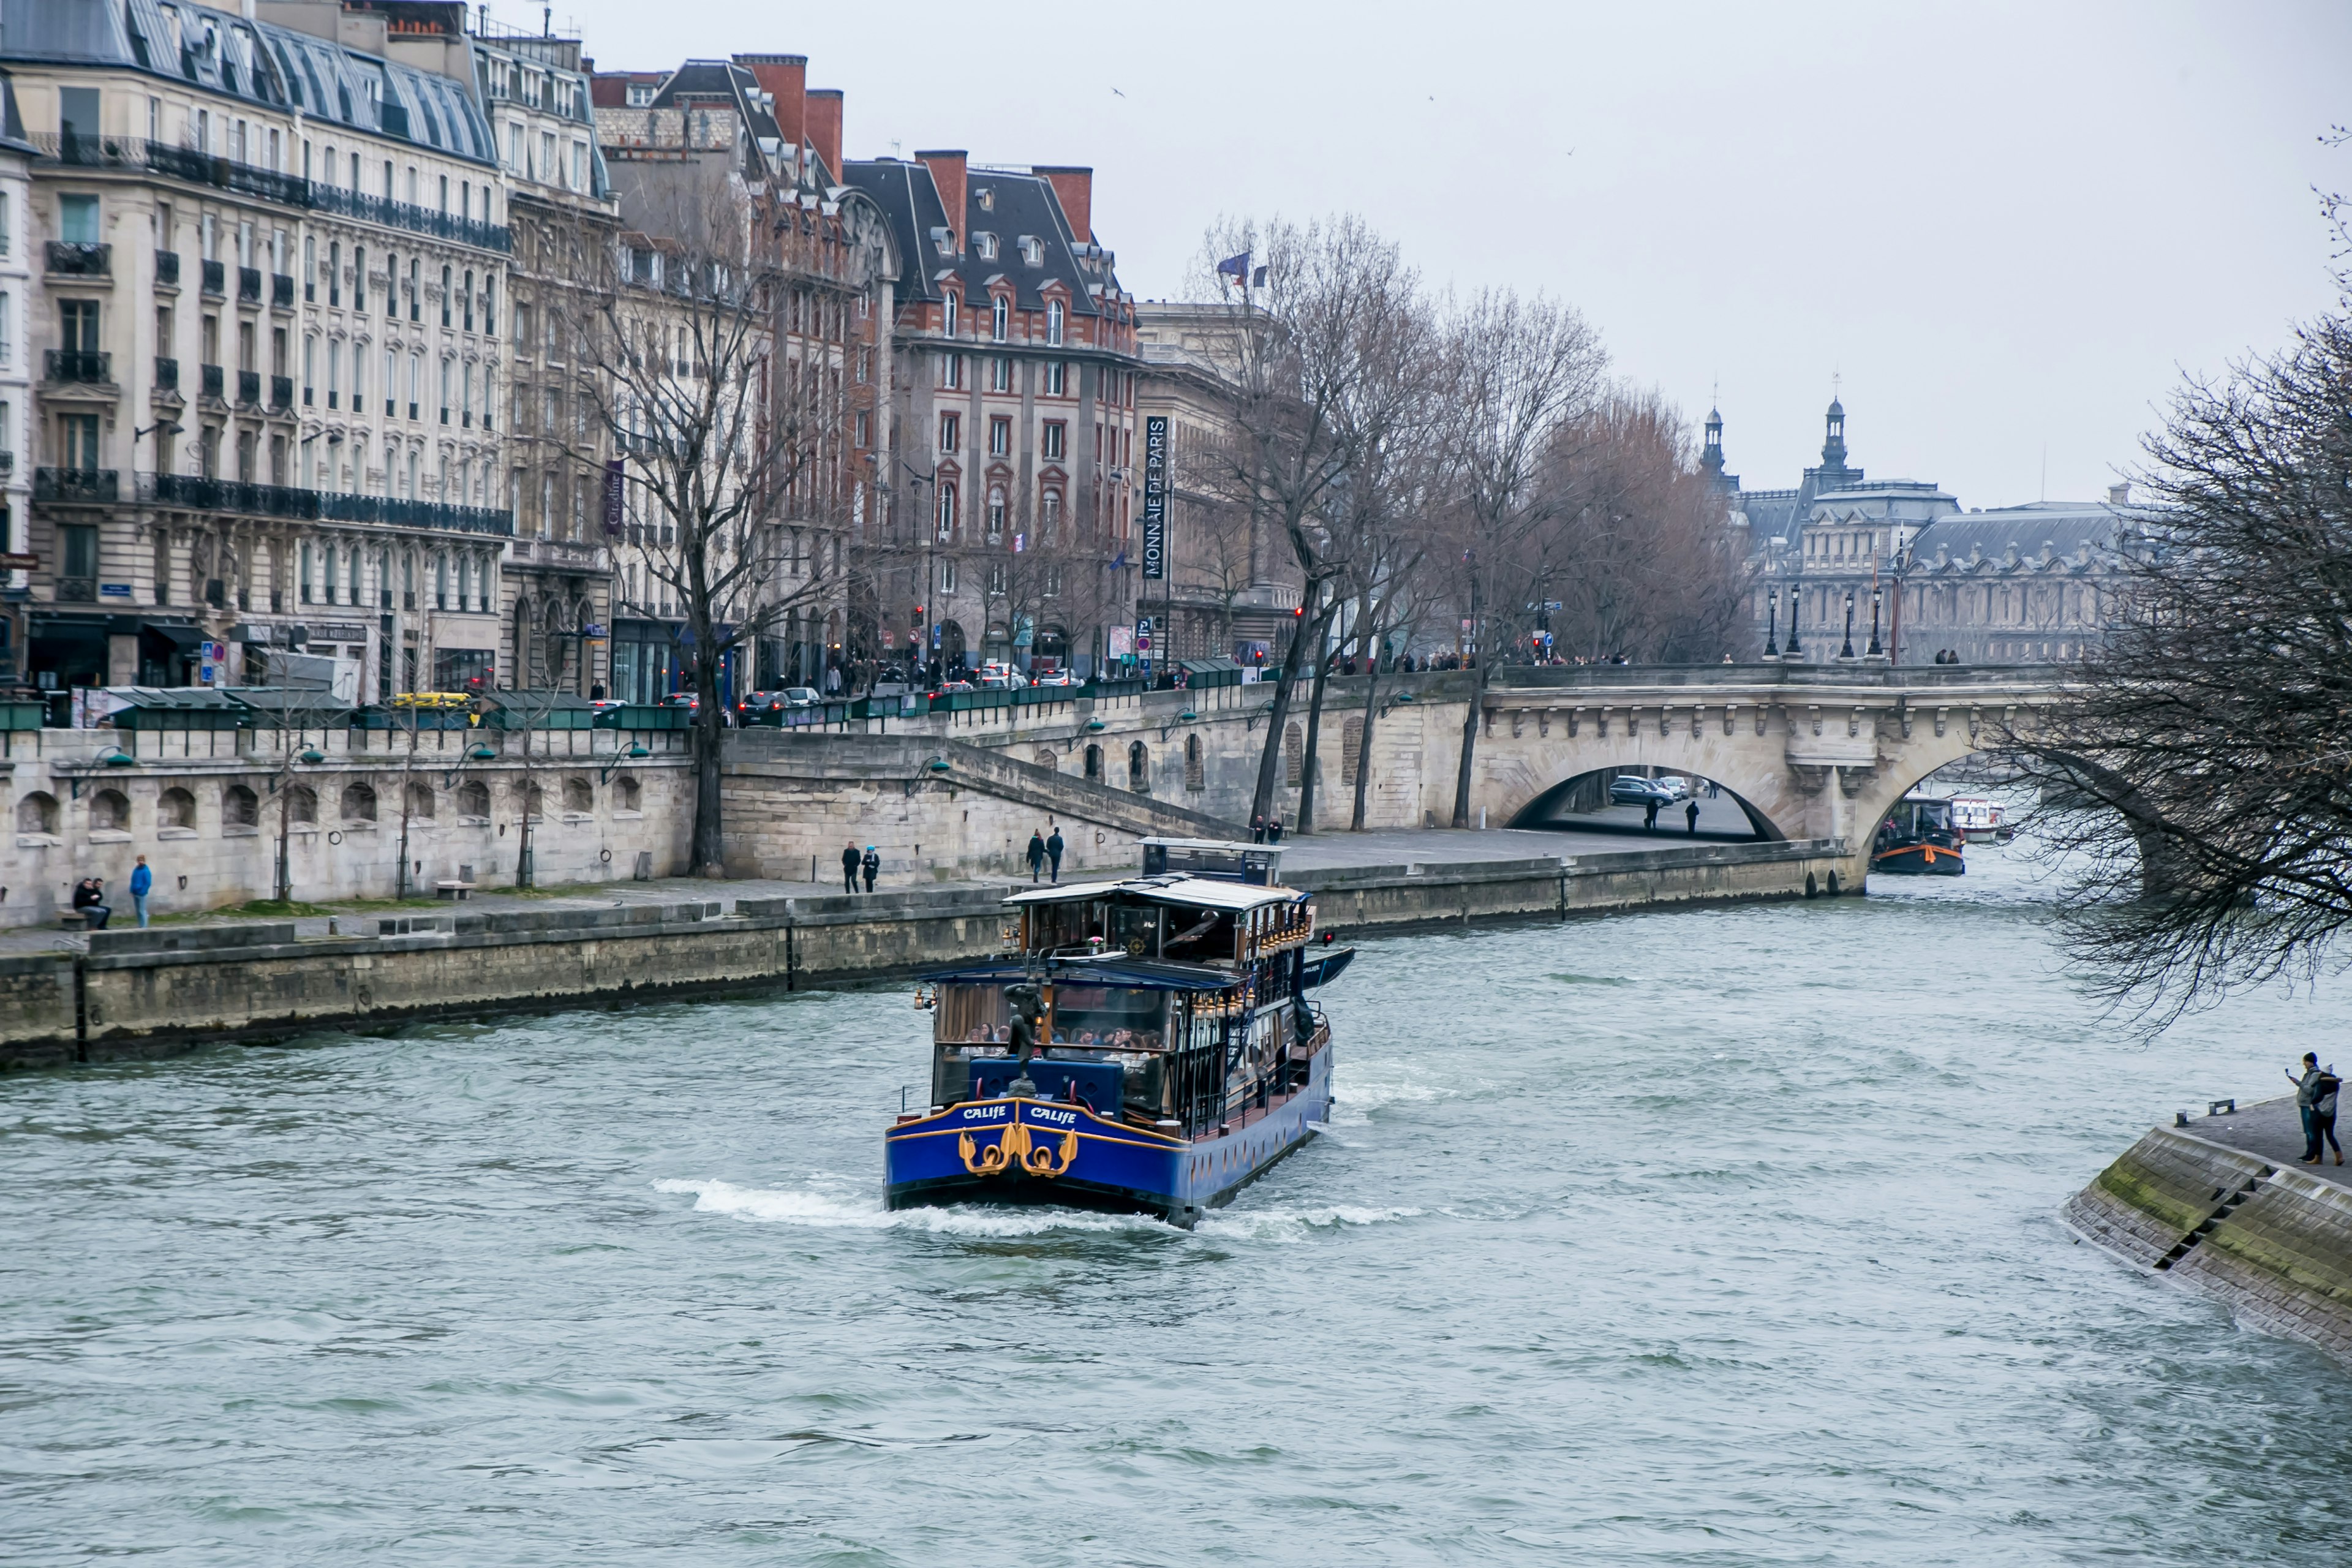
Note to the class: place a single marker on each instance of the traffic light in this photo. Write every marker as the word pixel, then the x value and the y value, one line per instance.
pixel 1298 612
pixel 918 615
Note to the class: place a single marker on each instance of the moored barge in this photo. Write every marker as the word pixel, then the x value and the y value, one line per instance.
pixel 1920 838
pixel 1143 1046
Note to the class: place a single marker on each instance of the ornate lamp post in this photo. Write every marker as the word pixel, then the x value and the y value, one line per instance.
pixel 1795 601
pixel 1772 637
pixel 1847 651
pixel 1875 651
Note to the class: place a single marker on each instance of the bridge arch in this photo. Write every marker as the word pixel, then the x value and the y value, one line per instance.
pixel 1580 803
pixel 2158 862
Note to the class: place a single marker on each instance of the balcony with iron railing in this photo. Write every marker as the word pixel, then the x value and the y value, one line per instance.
pixel 86 367
pixel 215 279
pixel 167 269
pixel 249 388
pixel 167 375
pixel 248 285
pixel 281 292
pixel 281 392
pixel 212 383
pixel 74 486
pixel 80 258
pixel 198 494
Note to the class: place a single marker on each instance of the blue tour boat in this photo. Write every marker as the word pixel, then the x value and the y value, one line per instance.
pixel 1143 1046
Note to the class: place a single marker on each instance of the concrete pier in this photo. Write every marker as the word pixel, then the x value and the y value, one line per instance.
pixel 2223 1205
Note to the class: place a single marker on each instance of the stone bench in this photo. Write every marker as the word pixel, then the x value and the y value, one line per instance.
pixel 454 890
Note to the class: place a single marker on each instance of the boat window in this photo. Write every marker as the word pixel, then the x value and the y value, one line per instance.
pixel 970 1013
pixel 1135 930
pixel 1199 934
pixel 1110 1018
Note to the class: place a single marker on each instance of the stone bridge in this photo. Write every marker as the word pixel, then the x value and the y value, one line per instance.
pixel 1810 751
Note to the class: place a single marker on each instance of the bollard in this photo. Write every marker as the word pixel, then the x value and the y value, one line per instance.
pixel 2180 1119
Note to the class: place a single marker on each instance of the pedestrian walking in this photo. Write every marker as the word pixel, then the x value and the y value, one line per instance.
pixel 1054 847
pixel 1690 815
pixel 1650 816
pixel 849 864
pixel 89 897
pixel 1274 829
pixel 1036 856
pixel 1257 827
pixel 142 879
pixel 872 865
pixel 2306 1095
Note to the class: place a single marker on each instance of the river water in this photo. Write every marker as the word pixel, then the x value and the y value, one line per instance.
pixel 1725 1236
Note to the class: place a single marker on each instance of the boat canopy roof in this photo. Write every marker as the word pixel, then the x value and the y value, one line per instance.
pixel 1134 974
pixel 1189 892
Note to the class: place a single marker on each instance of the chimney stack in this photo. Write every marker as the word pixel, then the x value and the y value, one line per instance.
pixel 785 79
pixel 1076 189
pixel 2119 495
pixel 946 174
pixel 825 127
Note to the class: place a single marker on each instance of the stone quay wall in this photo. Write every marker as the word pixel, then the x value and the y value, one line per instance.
pixel 138 993
pixel 2274 1244
pixel 207 810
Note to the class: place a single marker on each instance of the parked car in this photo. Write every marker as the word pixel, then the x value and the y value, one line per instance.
pixel 1677 786
pixel 1055 677
pixel 1630 791
pixel 800 697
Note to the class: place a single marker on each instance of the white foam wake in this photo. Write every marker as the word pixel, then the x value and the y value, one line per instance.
pixel 798 1207
pixel 1289 1223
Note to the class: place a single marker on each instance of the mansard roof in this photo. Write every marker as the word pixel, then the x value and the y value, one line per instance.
pixel 257 62
pixel 2005 537
pixel 1020 204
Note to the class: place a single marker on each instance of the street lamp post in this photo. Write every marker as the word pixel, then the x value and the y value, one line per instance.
pixel 1847 651
pixel 1875 651
pixel 1772 636
pixel 1795 601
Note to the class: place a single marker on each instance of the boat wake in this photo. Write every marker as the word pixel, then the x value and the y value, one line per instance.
pixel 1287 1223
pixel 786 1205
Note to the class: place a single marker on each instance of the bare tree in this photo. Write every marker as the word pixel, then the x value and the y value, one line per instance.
pixel 732 422
pixel 1518 370
pixel 2200 780
pixel 1637 551
pixel 1336 298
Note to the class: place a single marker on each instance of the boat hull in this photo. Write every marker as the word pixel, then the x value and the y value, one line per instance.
pixel 1033 1153
pixel 1918 860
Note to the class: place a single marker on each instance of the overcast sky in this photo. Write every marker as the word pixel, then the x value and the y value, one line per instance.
pixel 2008 228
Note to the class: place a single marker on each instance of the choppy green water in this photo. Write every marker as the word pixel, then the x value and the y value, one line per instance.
pixel 1724 1236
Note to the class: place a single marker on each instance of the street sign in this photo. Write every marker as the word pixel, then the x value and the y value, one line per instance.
pixel 1155 497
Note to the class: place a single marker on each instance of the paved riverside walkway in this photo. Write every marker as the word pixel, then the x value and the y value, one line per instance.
pixel 2272 1130
pixel 1616 830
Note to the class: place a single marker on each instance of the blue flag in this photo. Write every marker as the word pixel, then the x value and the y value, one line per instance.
pixel 1235 268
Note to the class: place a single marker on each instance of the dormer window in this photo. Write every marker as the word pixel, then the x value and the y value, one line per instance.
pixel 641 94
pixel 987 198
pixel 949 316
pixel 985 243
pixel 999 318
pixel 944 240
pixel 1033 250
pixel 1053 323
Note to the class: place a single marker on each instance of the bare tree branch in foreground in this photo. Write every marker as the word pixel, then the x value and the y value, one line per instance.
pixel 2209 749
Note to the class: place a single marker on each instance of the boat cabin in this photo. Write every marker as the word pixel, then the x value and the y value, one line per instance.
pixel 1170 1000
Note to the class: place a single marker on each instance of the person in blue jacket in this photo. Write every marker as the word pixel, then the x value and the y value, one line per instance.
pixel 142 879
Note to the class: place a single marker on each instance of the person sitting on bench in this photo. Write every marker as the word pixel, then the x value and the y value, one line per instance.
pixel 89 897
